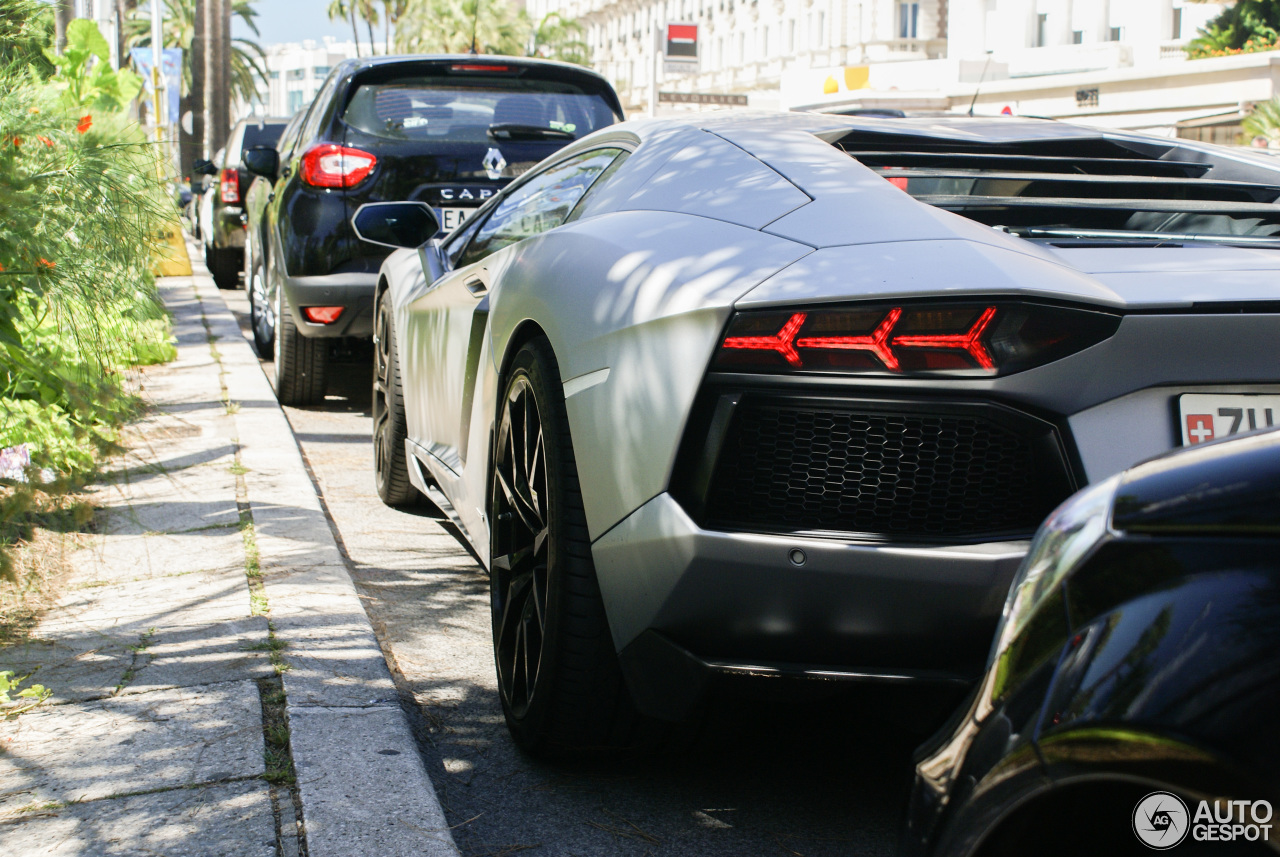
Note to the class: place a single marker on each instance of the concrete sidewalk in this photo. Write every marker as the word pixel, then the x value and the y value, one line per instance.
pixel 217 687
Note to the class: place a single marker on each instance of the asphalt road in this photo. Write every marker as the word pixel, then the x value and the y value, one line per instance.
pixel 784 774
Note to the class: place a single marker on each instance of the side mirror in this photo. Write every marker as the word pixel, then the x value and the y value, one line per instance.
pixel 204 168
pixel 262 160
pixel 395 224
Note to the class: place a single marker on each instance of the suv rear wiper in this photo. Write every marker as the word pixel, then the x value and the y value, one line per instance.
pixel 1268 242
pixel 514 131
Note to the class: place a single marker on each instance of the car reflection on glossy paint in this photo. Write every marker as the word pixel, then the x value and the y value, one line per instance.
pixel 1136 673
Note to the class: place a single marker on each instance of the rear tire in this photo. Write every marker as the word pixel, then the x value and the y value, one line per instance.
pixel 390 465
pixel 300 361
pixel 558 675
pixel 224 266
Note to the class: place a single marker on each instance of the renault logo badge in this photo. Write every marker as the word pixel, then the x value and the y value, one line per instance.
pixel 494 163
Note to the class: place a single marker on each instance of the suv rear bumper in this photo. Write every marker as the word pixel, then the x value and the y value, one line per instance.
pixel 353 292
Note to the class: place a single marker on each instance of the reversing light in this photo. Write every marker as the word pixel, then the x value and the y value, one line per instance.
pixel 989 338
pixel 322 314
pixel 329 165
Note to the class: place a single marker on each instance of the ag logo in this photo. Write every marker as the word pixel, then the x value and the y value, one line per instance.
pixel 1160 820
pixel 494 163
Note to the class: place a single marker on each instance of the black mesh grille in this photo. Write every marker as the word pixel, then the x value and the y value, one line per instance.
pixel 804 467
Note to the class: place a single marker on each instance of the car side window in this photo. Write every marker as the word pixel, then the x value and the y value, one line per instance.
pixel 541 203
pixel 319 107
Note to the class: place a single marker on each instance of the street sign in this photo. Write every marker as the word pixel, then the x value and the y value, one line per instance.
pixel 702 98
pixel 681 43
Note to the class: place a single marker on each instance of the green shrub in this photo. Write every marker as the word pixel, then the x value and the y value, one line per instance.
pixel 81 203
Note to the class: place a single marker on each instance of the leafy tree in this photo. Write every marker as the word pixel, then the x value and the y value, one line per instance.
pixel 1245 27
pixel 392 11
pixel 456 26
pixel 86 83
pixel 248 61
pixel 560 38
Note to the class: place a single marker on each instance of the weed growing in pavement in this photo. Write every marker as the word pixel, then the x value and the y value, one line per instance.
pixel 138 648
pixel 231 407
pixel 27 698
pixel 238 469
pixel 276 752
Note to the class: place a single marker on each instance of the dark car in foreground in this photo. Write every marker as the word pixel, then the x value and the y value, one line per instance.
pixel 223 230
pixel 447 131
pixel 1135 675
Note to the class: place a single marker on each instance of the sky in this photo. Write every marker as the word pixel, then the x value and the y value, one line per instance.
pixel 294 21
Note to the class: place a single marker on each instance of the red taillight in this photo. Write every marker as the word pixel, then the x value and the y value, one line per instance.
pixel 322 314
pixel 333 166
pixel 229 186
pixel 965 339
pixel 478 67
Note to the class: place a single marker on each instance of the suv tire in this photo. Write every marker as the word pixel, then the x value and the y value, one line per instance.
pixel 390 467
pixel 300 361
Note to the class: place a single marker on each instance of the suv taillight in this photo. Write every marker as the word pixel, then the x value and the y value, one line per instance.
pixel 229 186
pixel 334 166
pixel 987 338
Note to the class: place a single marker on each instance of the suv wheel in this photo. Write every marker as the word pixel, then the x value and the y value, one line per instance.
pixel 391 470
pixel 300 361
pixel 558 674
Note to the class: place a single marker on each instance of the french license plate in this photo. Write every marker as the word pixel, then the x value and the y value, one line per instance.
pixel 1209 416
pixel 452 218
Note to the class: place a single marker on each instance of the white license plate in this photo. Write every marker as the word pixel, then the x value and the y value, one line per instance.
pixel 452 218
pixel 1211 416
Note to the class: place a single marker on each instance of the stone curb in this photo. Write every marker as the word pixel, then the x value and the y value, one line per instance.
pixel 363 786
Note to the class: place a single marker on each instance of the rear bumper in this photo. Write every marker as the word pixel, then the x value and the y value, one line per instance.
pixel 683 601
pixel 353 292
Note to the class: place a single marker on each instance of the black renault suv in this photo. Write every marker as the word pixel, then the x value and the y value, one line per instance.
pixel 449 131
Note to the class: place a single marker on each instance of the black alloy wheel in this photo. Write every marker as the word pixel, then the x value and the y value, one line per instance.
pixel 390 465
pixel 558 675
pixel 262 317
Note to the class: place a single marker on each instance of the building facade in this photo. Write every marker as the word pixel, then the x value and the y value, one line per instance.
pixel 745 46
pixel 295 71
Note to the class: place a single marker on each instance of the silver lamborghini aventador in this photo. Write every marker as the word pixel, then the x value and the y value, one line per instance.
pixel 788 394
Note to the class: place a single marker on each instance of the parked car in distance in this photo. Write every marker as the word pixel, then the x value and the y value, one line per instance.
pixel 447 131
pixel 789 395
pixel 207 190
pixel 1139 654
pixel 223 230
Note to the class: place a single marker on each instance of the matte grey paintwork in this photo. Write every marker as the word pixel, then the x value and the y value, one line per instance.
pixel 718 213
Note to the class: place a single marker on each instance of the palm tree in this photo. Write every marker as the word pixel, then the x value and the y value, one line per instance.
pixel 369 13
pixel 346 9
pixel 392 10
pixel 248 61
pixel 1264 121
pixel 458 26
pixel 559 38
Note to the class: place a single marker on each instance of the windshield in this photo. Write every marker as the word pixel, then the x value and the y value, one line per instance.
pixel 480 112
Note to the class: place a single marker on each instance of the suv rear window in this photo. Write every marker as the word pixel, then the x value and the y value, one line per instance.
pixel 427 110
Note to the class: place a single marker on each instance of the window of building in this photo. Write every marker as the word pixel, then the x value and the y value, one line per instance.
pixel 908 20
pixel 791 36
pixel 297 73
pixel 275 75
pixel 321 71
pixel 1115 34
pixel 295 101
pixel 1177 22
pixel 1077 37
pixel 1042 27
